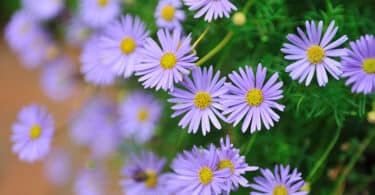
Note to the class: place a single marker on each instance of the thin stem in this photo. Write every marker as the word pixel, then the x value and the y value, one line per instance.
pixel 352 162
pixel 215 50
pixel 250 143
pixel 248 5
pixel 200 38
pixel 323 158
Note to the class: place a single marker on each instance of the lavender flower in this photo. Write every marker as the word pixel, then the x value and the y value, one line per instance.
pixel 139 114
pixel 77 33
pixel 314 53
pixel 32 133
pixel 162 67
pixel 278 183
pixel 58 79
pixel 229 157
pixel 252 100
pixel 142 175
pixel 168 14
pixel 359 65
pixel 121 42
pixel 201 101
pixel 98 13
pixel 58 167
pixel 43 9
pixel 95 68
pixel 91 182
pixel 195 172
pixel 212 9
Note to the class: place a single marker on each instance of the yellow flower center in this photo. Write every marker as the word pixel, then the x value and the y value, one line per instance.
pixel 35 132
pixel 102 3
pixel 142 115
pixel 280 190
pixel 254 97
pixel 369 65
pixel 151 179
pixel 167 13
pixel 168 61
pixel 205 175
pixel 226 164
pixel 315 54
pixel 127 45
pixel 202 100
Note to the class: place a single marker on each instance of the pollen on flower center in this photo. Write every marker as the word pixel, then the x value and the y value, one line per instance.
pixel 127 45
pixel 254 97
pixel 202 100
pixel 369 65
pixel 226 164
pixel 280 190
pixel 151 179
pixel 205 175
pixel 168 61
pixel 315 54
pixel 142 115
pixel 167 12
pixel 102 3
pixel 35 132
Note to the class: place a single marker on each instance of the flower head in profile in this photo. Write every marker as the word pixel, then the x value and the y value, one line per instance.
pixel 252 99
pixel 195 172
pixel 95 67
pixel 314 53
pixel 58 79
pixel 211 9
pixel 162 67
pixel 200 101
pixel 139 114
pixel 98 13
pixel 32 133
pixel 280 182
pixel 58 167
pixel 359 65
pixel 229 157
pixel 169 15
pixel 43 9
pixel 91 181
pixel 142 175
pixel 120 44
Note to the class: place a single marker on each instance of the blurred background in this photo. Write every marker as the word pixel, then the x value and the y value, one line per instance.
pixel 303 134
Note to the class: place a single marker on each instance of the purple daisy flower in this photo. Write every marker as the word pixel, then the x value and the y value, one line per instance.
pixel 43 9
pixel 32 133
pixel 229 157
pixel 212 9
pixel 253 100
pixel 280 182
pixel 314 53
pixel 121 42
pixel 77 33
pixel 162 67
pixel 359 65
pixel 142 175
pixel 201 101
pixel 58 79
pixel 195 172
pixel 139 114
pixel 98 13
pixel 91 182
pixel 58 167
pixel 95 67
pixel 169 14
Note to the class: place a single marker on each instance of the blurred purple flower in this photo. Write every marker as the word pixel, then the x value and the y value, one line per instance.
pixel 251 99
pixel 359 65
pixel 314 53
pixel 162 67
pixel 32 133
pixel 90 182
pixel 43 9
pixel 201 101
pixel 98 13
pixel 169 15
pixel 58 167
pixel 212 9
pixel 77 33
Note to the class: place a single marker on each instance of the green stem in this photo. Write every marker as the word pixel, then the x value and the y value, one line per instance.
pixel 323 158
pixel 200 38
pixel 357 155
pixel 215 50
pixel 250 144
pixel 248 5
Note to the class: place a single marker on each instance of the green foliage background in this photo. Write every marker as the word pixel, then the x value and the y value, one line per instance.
pixel 314 116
